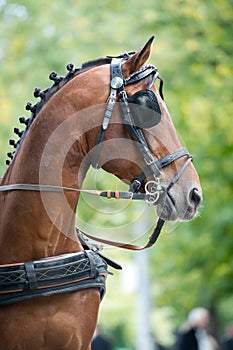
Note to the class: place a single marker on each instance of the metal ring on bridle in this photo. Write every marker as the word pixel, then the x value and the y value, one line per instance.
pixel 153 189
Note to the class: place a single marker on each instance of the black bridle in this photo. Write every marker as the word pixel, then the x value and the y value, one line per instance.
pixel 153 188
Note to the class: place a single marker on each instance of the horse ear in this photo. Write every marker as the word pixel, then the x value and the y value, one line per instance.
pixel 135 62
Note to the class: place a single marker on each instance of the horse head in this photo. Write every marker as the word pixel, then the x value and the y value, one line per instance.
pixel 140 144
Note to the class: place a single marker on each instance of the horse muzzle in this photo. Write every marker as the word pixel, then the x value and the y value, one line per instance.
pixel 182 206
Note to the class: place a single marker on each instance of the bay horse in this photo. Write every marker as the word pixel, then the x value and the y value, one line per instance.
pixel 50 286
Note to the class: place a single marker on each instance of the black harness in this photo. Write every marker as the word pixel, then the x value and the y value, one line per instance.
pixel 55 275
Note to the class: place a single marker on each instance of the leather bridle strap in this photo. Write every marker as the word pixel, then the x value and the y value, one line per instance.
pixel 144 72
pixel 116 84
pixel 179 173
pixel 160 163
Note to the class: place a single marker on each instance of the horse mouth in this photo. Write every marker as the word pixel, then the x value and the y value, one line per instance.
pixel 166 210
pixel 170 210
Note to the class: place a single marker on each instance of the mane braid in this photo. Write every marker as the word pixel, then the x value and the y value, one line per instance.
pixel 46 95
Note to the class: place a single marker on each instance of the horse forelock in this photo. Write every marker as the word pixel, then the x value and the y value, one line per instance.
pixel 45 96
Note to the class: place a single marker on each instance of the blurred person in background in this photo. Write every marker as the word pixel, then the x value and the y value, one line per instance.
pixel 99 341
pixel 227 340
pixel 194 335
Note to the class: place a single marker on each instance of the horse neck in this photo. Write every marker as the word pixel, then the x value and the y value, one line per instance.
pixel 34 224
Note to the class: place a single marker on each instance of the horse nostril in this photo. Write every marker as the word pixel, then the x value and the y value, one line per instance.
pixel 195 197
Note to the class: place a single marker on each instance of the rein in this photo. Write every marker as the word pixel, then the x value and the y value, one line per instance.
pixel 58 189
pixel 151 241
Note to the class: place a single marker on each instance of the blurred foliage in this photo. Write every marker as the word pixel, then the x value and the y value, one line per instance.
pixel 193 52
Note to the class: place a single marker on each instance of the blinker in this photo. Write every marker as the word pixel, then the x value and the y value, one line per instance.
pixel 145 109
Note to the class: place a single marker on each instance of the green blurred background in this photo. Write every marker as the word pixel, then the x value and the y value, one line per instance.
pixel 193 51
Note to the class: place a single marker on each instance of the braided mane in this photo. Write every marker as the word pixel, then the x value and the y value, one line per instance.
pixel 46 95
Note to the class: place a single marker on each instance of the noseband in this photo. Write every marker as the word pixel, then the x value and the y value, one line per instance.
pixel 153 188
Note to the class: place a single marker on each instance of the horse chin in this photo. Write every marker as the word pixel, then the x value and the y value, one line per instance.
pixel 167 211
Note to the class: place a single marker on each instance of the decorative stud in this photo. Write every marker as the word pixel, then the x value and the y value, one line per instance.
pixel 39 93
pixel 12 143
pixel 18 132
pixel 10 155
pixel 30 107
pixel 70 67
pixel 53 76
pixel 22 120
